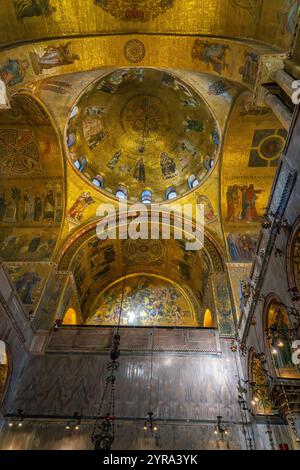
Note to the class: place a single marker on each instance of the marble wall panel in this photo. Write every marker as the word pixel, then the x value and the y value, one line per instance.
pixel 90 339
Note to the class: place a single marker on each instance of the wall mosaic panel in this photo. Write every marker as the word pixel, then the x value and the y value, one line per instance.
pixel 148 300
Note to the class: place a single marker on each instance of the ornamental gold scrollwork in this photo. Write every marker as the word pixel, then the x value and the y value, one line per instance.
pixel 261 389
pixel 135 10
pixel 3 376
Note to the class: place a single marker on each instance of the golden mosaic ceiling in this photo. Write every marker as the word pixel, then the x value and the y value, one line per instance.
pixel 264 20
pixel 136 129
pixel 140 129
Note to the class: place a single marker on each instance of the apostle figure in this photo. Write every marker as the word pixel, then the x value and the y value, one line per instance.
pixel 233 203
pixel 168 166
pixel 34 243
pixel 54 56
pixel 209 214
pixel 96 139
pixel 25 286
pixel 83 201
pixel 28 207
pixel 232 247
pixel 49 205
pixel 114 160
pixel 38 206
pixel 193 125
pixel 249 198
pixel 213 54
pixel 250 69
pixel 13 71
pixel 139 172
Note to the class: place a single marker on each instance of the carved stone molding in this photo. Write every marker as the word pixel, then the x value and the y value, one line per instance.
pixel 268 65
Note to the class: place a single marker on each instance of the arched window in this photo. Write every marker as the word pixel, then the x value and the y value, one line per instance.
pixel 260 391
pixel 171 194
pixel 70 317
pixel 193 182
pixel 278 336
pixel 208 162
pixel 3 367
pixel 71 139
pixel 80 163
pixel 147 196
pixel 208 319
pixel 98 181
pixel 121 193
pixel 74 112
pixel 215 137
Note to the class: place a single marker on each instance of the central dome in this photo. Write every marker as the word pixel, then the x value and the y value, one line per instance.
pixel 139 131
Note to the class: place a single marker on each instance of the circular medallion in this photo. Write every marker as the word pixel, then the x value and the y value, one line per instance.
pixel 18 152
pixel 137 251
pixel 145 118
pixel 134 51
pixel 271 147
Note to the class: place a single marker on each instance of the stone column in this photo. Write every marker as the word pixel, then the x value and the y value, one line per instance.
pixel 285 81
pixel 281 111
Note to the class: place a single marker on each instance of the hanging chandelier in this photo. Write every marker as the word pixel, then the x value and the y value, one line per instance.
pixel 150 423
pixel 103 434
pixel 220 428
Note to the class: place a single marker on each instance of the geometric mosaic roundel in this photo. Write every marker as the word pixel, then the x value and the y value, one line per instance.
pixel 272 147
pixel 19 152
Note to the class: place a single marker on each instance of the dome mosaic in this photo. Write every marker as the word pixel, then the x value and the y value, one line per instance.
pixel 142 134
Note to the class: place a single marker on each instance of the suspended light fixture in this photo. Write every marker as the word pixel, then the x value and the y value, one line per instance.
pixel 220 428
pixel 103 434
pixel 150 423
pixel 20 418
pixel 74 424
